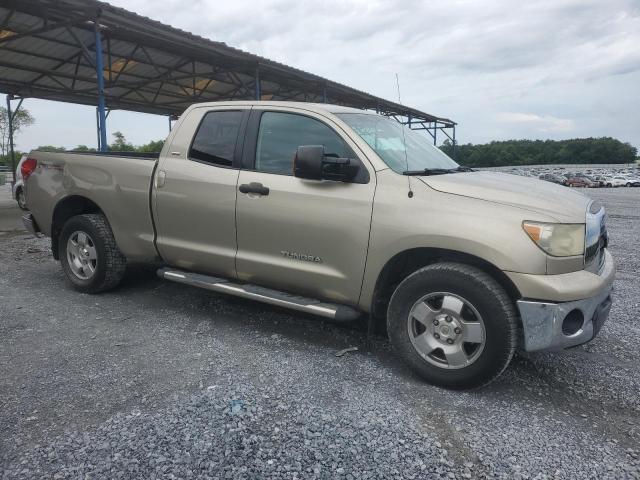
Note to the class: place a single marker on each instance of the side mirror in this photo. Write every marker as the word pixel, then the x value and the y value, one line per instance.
pixel 308 162
pixel 311 163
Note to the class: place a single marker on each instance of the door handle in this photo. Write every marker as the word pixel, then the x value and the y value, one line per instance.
pixel 254 187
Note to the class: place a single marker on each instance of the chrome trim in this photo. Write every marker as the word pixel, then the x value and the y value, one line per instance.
pixel 542 321
pixel 596 237
pixel 261 294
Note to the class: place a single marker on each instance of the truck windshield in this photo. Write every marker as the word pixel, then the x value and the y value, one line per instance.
pixel 386 137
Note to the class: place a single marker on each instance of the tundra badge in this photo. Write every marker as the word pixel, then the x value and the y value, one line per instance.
pixel 300 256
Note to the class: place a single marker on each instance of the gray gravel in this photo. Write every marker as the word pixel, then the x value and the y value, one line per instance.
pixel 159 380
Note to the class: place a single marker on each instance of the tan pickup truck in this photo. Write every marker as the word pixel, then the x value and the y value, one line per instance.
pixel 338 212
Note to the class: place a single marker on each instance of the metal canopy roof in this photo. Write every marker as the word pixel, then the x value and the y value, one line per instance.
pixel 48 50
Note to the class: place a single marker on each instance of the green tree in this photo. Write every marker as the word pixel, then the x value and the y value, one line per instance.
pixel 22 118
pixel 120 143
pixel 151 147
pixel 83 148
pixel 50 148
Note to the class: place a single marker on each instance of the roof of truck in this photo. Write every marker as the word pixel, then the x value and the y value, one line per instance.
pixel 322 107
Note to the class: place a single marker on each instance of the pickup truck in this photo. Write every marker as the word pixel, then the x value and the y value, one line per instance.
pixel 340 213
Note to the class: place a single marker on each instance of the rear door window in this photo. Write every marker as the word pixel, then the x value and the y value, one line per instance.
pixel 215 140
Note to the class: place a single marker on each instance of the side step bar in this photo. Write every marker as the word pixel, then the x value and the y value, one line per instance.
pixel 261 294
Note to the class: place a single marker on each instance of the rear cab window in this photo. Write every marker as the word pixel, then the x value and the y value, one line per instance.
pixel 216 138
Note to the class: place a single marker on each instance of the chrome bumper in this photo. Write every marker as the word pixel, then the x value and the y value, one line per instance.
pixel 543 322
pixel 30 224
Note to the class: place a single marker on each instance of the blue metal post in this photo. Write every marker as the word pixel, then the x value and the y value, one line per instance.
pixel 258 93
pixel 102 118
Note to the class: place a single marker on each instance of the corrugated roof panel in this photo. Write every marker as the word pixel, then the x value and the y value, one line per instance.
pixel 149 66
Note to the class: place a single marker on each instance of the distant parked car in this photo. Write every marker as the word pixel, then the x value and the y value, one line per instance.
pixel 553 178
pixel 632 181
pixel 600 179
pixel 617 181
pixel 576 181
pixel 17 191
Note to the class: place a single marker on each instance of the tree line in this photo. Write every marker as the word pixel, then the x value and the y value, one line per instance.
pixel 119 144
pixel 542 152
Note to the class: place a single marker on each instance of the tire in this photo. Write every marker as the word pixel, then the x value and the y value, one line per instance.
pixel 21 199
pixel 89 255
pixel 609 185
pixel 485 301
pixel 628 184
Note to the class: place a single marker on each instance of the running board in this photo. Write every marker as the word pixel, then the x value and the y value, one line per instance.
pixel 261 294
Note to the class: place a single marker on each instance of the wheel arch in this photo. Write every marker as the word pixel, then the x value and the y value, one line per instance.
pixel 65 209
pixel 408 261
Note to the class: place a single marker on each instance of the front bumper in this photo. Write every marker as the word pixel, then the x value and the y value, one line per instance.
pixel 552 326
pixel 562 321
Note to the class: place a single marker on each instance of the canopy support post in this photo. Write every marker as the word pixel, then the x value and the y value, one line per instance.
pixel 454 142
pixel 101 114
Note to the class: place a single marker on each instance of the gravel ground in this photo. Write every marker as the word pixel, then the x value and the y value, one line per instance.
pixel 161 380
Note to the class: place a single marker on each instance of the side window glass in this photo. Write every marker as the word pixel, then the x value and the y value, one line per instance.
pixel 281 134
pixel 215 140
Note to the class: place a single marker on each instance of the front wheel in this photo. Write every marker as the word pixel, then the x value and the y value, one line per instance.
pixel 453 324
pixel 89 255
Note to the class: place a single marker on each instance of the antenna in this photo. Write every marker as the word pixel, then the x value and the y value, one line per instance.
pixel 404 141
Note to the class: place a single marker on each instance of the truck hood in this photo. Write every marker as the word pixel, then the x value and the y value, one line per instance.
pixel 561 203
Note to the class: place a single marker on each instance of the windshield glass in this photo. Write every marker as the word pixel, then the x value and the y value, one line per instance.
pixel 386 137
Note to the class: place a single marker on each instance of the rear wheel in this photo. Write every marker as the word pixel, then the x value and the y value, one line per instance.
pixel 21 199
pixel 453 325
pixel 89 256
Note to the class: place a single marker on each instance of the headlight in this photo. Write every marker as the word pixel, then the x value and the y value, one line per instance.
pixel 557 239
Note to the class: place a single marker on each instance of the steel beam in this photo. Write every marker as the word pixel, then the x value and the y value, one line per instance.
pixel 257 83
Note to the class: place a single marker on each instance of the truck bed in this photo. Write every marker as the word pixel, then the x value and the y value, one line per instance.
pixel 118 182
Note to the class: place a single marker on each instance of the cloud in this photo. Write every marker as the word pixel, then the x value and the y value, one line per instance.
pixel 541 123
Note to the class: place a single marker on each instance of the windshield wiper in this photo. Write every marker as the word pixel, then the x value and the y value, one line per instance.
pixel 437 171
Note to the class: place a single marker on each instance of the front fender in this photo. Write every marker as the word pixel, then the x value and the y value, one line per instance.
pixel 430 219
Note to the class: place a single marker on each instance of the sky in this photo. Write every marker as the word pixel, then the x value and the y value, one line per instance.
pixel 501 69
